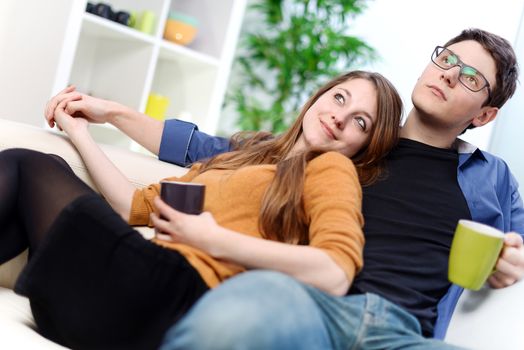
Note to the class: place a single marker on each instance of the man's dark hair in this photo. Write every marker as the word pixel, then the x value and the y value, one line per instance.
pixel 505 61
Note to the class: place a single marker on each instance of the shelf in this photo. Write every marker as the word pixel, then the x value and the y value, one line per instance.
pixel 100 27
pixel 172 51
pixel 111 61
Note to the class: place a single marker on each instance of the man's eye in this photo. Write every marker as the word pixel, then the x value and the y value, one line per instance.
pixel 450 60
pixel 472 80
pixel 339 98
pixel 470 75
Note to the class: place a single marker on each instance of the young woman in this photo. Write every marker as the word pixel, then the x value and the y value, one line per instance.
pixel 289 203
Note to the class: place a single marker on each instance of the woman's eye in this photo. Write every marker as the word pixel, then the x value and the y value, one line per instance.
pixel 339 98
pixel 361 122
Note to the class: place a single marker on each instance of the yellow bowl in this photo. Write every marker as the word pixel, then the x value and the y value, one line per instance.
pixel 179 32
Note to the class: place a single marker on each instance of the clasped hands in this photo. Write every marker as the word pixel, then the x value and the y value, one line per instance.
pixel 70 103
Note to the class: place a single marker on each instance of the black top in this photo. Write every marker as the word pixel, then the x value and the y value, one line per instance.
pixel 410 217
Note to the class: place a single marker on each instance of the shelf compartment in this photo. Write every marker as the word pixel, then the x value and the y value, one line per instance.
pixel 189 86
pixel 112 68
pixel 213 23
pixel 103 28
pixel 175 52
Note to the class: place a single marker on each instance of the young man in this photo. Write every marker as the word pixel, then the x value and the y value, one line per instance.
pixel 402 295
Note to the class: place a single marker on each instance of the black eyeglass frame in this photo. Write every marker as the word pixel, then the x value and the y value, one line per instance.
pixel 440 49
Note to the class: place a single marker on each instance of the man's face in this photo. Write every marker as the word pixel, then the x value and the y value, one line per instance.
pixel 442 100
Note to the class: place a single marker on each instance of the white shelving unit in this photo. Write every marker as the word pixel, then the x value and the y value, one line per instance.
pixel 120 63
pixel 116 62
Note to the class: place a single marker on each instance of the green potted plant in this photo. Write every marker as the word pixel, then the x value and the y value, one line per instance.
pixel 294 46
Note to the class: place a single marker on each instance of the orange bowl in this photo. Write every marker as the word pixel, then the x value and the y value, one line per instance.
pixel 180 29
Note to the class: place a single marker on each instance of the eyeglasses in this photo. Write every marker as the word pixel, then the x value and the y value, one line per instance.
pixel 471 78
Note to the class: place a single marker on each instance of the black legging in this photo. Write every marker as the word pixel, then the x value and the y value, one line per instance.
pixel 92 280
pixel 34 189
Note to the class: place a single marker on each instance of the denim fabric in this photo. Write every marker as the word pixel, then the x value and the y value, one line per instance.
pixel 370 322
pixel 269 310
pixel 255 310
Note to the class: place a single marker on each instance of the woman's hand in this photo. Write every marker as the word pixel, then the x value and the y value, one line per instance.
pixel 193 230
pixel 138 126
pixel 306 263
pixel 79 105
pixel 73 127
pixel 50 108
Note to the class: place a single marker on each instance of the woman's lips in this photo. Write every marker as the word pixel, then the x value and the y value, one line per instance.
pixel 328 130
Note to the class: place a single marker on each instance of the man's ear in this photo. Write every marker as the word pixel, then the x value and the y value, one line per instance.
pixel 485 116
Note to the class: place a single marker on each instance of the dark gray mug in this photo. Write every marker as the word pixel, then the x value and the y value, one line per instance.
pixel 186 197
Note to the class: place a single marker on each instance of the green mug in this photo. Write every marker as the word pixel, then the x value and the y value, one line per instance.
pixel 474 253
pixel 144 21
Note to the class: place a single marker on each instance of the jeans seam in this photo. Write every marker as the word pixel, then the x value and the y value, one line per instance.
pixel 362 328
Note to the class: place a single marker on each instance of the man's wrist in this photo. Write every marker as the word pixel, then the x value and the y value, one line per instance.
pixel 119 114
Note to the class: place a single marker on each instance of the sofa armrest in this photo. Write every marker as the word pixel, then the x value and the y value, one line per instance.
pixel 140 169
pixel 489 319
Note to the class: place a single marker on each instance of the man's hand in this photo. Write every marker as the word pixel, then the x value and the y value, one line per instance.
pixel 49 111
pixel 79 105
pixel 73 127
pixel 510 265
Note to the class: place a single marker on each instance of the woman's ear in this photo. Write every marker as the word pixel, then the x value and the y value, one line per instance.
pixel 486 115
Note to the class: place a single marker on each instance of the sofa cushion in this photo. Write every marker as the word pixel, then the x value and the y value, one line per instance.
pixel 17 326
pixel 11 269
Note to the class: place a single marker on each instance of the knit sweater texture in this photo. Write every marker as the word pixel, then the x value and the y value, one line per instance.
pixel 332 200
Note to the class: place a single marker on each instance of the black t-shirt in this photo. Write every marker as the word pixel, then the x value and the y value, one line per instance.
pixel 410 217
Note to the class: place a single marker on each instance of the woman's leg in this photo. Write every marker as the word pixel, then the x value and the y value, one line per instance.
pixel 12 240
pixel 96 283
pixel 34 189
pixel 93 282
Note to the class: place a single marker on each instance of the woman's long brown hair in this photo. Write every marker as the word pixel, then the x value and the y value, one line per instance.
pixel 282 217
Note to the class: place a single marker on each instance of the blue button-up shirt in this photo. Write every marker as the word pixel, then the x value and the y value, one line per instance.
pixel 490 189
pixel 493 198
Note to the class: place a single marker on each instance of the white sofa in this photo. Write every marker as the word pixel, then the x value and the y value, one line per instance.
pixel 17 329
pixel 484 320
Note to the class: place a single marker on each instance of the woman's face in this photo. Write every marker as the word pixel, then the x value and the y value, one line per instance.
pixel 341 119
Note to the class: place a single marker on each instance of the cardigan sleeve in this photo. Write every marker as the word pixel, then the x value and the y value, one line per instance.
pixel 333 205
pixel 142 204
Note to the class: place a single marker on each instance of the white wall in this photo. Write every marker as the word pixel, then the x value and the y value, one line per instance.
pixel 507 140
pixel 32 35
pixel 405 32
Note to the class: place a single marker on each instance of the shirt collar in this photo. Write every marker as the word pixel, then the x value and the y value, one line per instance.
pixel 467 151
